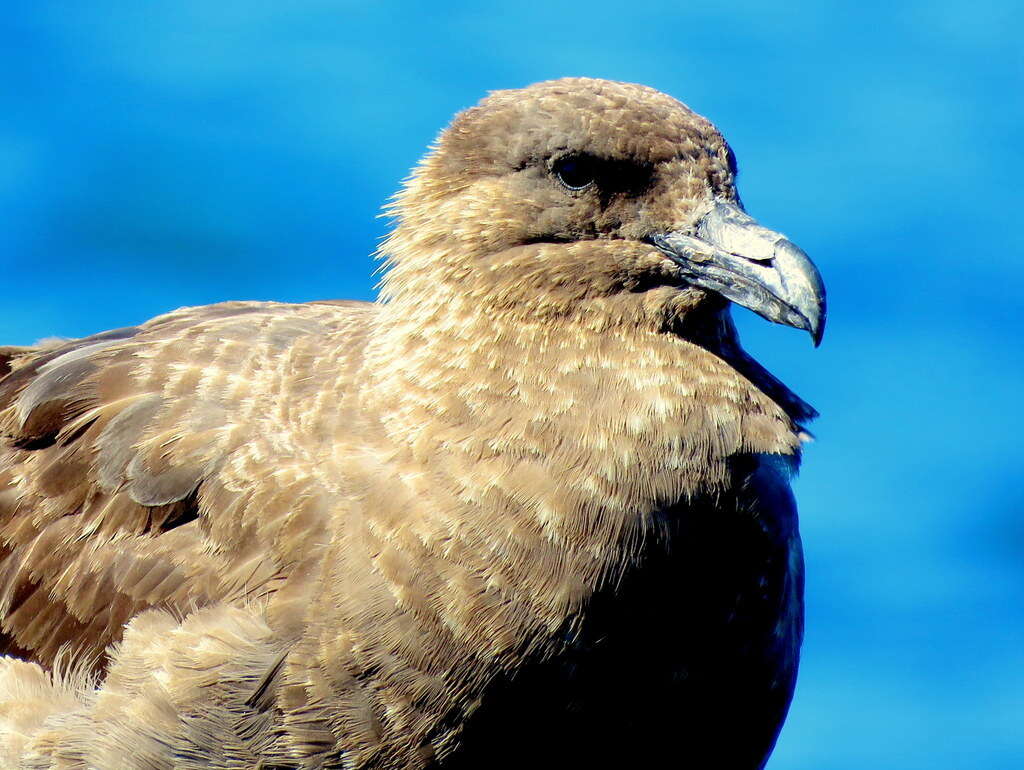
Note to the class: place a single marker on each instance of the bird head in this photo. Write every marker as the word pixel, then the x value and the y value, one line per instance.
pixel 578 194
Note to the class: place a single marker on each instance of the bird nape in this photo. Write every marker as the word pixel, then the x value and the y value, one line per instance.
pixel 531 508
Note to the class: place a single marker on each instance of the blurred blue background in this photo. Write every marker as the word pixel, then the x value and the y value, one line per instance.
pixel 158 155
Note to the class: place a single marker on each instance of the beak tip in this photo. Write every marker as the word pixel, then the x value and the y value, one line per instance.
pixel 816 326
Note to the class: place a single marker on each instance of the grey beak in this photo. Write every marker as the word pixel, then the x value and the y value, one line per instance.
pixel 751 265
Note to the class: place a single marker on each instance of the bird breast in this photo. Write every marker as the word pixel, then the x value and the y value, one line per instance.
pixel 535 460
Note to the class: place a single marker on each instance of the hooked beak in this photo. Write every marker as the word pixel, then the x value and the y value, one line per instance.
pixel 751 265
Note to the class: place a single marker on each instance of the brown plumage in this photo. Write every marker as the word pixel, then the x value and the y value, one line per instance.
pixel 531 509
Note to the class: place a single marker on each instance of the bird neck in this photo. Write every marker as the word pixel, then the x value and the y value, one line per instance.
pixel 621 386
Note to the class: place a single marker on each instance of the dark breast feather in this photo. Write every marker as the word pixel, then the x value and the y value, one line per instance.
pixel 712 622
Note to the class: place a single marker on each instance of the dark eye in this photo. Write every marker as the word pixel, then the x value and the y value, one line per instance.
pixel 575 171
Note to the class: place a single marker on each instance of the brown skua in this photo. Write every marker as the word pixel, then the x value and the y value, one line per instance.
pixel 530 509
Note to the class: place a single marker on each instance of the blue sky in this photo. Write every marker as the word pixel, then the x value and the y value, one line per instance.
pixel 159 155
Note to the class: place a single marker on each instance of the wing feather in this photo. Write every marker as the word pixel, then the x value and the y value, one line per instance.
pixel 115 490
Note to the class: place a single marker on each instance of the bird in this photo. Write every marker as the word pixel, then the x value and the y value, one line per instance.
pixel 529 508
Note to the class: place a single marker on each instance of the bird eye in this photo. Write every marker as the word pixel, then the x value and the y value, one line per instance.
pixel 575 171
